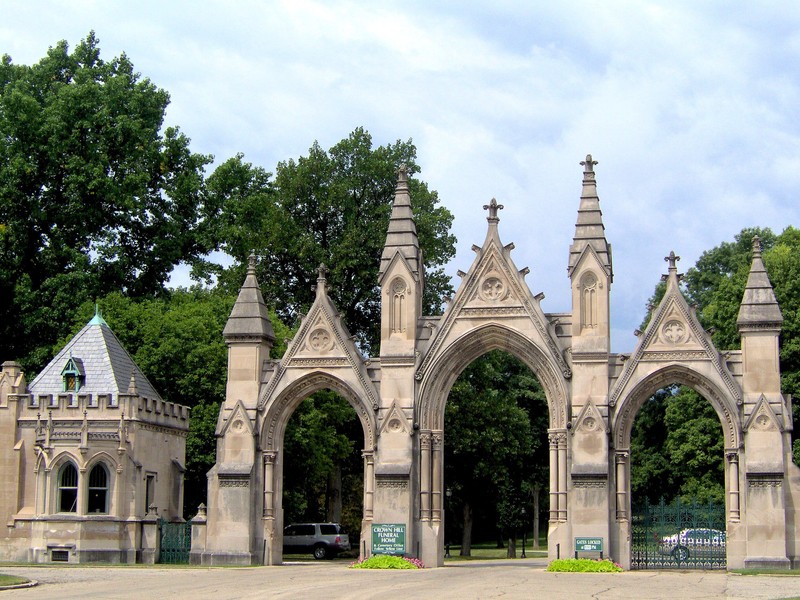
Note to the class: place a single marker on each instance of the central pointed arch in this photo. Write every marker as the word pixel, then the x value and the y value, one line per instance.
pixel 445 369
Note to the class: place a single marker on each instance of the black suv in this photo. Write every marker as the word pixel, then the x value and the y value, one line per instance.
pixel 323 540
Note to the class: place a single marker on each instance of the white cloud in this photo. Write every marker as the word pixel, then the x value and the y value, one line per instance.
pixel 688 107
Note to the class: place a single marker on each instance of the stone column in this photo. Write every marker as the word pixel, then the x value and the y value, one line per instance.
pixel 733 485
pixel 437 460
pixel 621 461
pixel 269 484
pixel 562 476
pixel 553 439
pixel 369 483
pixel 425 475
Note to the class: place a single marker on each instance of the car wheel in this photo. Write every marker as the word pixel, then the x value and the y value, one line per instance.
pixel 320 552
pixel 681 553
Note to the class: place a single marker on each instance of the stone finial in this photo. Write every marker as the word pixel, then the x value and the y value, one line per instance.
pixel 402 173
pixel 133 390
pixel 493 207
pixel 251 263
pixel 756 246
pixel 672 259
pixel 588 164
pixel 322 281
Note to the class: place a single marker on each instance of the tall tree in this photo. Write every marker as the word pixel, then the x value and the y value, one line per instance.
pixel 95 196
pixel 327 207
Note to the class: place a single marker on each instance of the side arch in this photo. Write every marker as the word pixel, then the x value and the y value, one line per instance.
pixel 724 405
pixel 462 351
pixel 278 412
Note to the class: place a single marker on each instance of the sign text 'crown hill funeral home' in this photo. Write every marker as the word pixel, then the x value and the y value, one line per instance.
pixel 388 538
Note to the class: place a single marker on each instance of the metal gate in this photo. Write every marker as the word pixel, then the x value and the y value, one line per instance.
pixel 176 542
pixel 678 535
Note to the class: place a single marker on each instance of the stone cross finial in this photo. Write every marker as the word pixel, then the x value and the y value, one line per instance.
pixel 756 246
pixel 493 207
pixel 402 172
pixel 588 164
pixel 322 271
pixel 251 262
pixel 672 259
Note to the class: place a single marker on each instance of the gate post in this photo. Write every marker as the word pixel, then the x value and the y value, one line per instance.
pixel 151 539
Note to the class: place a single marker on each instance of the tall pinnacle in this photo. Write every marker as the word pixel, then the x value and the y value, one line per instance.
pixel 589 228
pixel 759 308
pixel 402 233
pixel 249 319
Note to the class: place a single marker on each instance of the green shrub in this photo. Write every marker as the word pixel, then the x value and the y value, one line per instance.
pixel 384 561
pixel 583 565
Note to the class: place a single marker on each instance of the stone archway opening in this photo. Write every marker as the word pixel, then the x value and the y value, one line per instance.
pixel 322 418
pixel 323 475
pixel 496 468
pixel 436 387
pixel 682 484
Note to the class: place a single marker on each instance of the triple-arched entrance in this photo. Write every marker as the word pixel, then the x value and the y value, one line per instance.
pixel 592 394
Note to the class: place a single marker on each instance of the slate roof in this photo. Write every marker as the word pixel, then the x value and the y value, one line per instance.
pixel 106 363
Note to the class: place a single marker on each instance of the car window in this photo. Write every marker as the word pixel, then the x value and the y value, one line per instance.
pixel 305 530
pixel 328 529
pixel 290 530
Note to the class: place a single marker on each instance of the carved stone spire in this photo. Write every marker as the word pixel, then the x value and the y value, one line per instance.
pixel 322 282
pixel 759 308
pixel 402 233
pixel 249 319
pixel 589 229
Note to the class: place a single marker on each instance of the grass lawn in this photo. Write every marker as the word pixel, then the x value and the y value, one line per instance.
pixel 489 550
pixel 788 572
pixel 11 580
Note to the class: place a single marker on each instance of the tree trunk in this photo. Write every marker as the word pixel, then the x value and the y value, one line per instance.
pixel 512 546
pixel 500 542
pixel 335 495
pixel 466 535
pixel 536 490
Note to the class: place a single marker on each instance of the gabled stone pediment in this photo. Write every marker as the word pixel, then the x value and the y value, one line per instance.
pixel 589 254
pixel 495 290
pixel 395 421
pixel 398 260
pixel 236 421
pixel 674 335
pixel 322 343
pixel 763 418
pixel 590 420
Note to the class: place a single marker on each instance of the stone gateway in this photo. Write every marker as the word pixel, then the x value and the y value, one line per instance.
pixel 592 395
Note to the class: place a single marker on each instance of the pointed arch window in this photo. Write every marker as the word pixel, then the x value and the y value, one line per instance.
pixel 98 490
pixel 68 489
pixel 588 289
pixel 399 289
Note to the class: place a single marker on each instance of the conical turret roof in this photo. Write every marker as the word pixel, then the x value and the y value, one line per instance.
pixel 589 228
pixel 402 233
pixel 759 306
pixel 249 318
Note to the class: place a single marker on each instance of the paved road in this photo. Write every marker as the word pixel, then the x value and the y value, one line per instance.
pixel 506 579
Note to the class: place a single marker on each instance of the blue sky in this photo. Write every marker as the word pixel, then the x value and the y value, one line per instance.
pixel 689 108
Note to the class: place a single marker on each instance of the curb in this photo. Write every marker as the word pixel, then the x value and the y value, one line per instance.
pixel 19 586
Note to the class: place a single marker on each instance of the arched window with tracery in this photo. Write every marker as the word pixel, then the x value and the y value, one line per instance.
pixel 68 489
pixel 398 290
pixel 98 489
pixel 588 289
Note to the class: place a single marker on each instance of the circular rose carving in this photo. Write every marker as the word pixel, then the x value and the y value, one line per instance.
pixel 395 425
pixel 589 423
pixel 493 289
pixel 673 332
pixel 399 286
pixel 320 339
pixel 238 425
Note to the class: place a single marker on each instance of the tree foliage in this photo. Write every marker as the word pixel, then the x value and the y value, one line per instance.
pixel 496 421
pixel 95 196
pixel 327 207
pixel 677 441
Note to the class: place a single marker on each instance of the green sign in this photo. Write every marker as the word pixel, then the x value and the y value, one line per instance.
pixel 588 544
pixel 389 538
